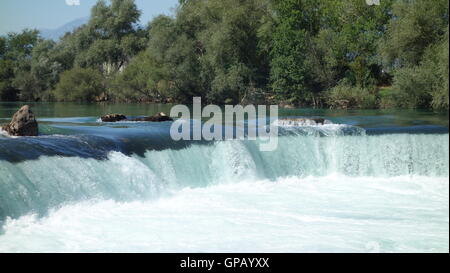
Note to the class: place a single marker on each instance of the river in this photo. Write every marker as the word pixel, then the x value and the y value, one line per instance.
pixel 371 181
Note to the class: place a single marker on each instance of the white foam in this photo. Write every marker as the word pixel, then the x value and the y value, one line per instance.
pixel 5 134
pixel 299 122
pixel 328 214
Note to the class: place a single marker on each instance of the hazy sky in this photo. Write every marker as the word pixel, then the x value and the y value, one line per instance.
pixel 16 15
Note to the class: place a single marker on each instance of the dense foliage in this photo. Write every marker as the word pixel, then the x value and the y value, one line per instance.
pixel 332 53
pixel 79 84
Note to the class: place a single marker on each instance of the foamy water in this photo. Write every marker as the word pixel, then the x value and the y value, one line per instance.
pixel 328 214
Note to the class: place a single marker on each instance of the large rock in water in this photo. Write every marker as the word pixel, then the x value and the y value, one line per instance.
pixel 113 118
pixel 23 123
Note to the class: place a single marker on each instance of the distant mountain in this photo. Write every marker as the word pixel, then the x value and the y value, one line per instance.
pixel 55 34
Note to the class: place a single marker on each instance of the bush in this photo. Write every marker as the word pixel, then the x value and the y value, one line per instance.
pixel 345 95
pixel 144 79
pixel 411 88
pixel 436 62
pixel 79 84
pixel 7 91
pixel 389 97
pixel 425 85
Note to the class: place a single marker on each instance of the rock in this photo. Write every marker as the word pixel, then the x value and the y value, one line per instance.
pixel 319 120
pixel 118 117
pixel 156 118
pixel 23 123
pixel 113 118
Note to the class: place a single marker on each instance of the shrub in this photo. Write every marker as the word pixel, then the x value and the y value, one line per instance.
pixel 79 84
pixel 425 85
pixel 388 97
pixel 411 88
pixel 345 95
pixel 7 91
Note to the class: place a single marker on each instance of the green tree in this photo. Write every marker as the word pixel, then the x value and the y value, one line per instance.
pixel 289 72
pixel 18 46
pixel 41 75
pixel 425 85
pixel 305 52
pixel 110 38
pixel 414 26
pixel 144 79
pixel 209 49
pixel 415 50
pixel 15 57
pixel 7 91
pixel 2 47
pixel 79 84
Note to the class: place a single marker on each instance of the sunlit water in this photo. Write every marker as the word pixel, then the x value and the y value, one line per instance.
pixel 374 181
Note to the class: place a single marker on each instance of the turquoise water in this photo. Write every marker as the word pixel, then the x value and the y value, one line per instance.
pixel 373 181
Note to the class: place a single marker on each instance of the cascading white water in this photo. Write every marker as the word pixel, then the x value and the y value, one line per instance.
pixel 313 214
pixel 383 193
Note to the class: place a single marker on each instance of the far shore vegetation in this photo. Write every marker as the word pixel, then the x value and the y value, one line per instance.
pixel 312 53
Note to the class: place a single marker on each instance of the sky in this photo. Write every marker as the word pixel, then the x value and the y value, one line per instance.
pixel 16 15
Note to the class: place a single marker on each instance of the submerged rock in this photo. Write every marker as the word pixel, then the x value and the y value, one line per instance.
pixel 113 118
pixel 118 117
pixel 156 118
pixel 23 123
pixel 319 120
